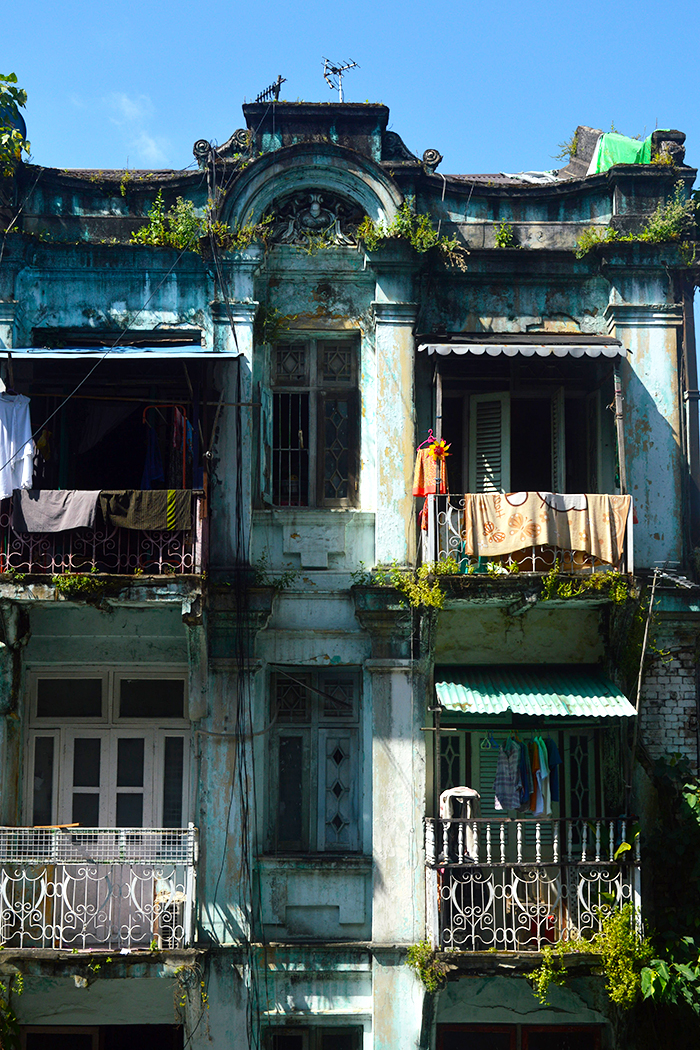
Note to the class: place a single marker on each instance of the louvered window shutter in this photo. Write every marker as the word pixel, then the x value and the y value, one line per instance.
pixel 558 443
pixel 489 442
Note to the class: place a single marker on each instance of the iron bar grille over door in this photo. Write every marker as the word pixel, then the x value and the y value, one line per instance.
pixel 314 431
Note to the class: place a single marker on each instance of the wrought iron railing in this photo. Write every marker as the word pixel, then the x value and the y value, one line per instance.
pixel 518 885
pixel 105 549
pixel 90 888
pixel 443 538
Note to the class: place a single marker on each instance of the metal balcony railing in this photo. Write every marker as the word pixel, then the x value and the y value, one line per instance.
pixel 518 885
pixel 91 888
pixel 106 549
pixel 444 538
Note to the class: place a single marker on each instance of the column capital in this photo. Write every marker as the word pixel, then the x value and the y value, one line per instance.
pixel 395 313
pixel 241 312
pixel 634 315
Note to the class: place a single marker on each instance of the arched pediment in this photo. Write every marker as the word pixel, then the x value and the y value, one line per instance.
pixel 341 178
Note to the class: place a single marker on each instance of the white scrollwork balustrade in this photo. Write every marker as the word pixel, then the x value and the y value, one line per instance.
pixel 527 895
pixel 91 888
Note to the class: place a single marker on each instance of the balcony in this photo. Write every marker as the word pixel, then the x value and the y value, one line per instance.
pixel 97 888
pixel 580 533
pixel 105 549
pixel 521 884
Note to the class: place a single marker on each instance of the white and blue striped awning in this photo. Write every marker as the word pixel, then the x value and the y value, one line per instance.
pixel 134 353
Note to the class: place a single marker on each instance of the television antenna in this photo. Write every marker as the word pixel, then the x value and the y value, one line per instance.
pixel 333 75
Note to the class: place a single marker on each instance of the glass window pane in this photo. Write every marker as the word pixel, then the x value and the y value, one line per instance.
pixel 129 811
pixel 86 809
pixel 482 1038
pixel 336 467
pixel 291 793
pixel 152 698
pixel 288 1041
pixel 172 781
pixel 57 1041
pixel 69 698
pixel 86 762
pixel 338 1039
pixel 43 780
pixel 130 762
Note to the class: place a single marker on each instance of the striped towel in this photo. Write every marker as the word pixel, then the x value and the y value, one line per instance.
pixel 153 510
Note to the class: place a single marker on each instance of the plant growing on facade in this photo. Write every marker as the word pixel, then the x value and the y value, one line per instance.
pixel 672 221
pixel 504 236
pixel 9 1025
pixel 181 228
pixel 12 142
pixel 414 227
pixel 424 962
pixel 624 953
pixel 567 149
pixel 421 587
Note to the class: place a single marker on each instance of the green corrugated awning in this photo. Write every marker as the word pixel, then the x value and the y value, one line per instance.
pixel 568 692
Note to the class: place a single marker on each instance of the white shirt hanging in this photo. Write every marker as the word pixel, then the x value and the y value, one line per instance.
pixel 16 445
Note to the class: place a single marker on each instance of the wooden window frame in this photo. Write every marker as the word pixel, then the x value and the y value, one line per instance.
pixel 109 728
pixel 315 730
pixel 318 392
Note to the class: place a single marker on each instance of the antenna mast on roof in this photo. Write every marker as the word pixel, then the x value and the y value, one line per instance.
pixel 333 75
pixel 273 91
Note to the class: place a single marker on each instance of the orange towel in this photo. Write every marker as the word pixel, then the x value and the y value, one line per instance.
pixel 425 474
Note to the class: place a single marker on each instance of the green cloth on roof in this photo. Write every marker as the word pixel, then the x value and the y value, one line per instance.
pixel 612 149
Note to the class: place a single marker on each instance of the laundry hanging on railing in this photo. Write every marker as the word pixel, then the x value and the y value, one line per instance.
pixel 527 775
pixel 157 510
pixel 16 445
pixel 53 510
pixel 498 523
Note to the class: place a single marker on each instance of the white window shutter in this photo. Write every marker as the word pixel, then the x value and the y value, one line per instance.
pixel 558 442
pixel 338 809
pixel 489 442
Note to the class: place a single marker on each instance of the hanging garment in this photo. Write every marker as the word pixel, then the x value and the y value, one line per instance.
pixel 527 785
pixel 16 445
pixel 425 474
pixel 536 794
pixel 507 786
pixel 160 510
pixel 53 510
pixel 554 762
pixel 545 807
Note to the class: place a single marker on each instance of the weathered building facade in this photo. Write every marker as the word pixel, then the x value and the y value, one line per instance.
pixel 231 750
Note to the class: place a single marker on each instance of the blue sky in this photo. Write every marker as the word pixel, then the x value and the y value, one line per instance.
pixel 494 87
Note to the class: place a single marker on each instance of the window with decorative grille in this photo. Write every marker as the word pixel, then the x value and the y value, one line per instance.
pixel 314 762
pixel 311 425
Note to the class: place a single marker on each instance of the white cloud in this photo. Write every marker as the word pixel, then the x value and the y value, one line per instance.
pixel 130 110
pixel 149 150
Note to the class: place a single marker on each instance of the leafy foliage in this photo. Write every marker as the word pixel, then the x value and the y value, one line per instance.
pixel 12 142
pixel 624 952
pixel 180 227
pixel 567 149
pixel 414 227
pixel 504 236
pixel 430 971
pixel 9 1025
pixel 421 588
pixel 672 221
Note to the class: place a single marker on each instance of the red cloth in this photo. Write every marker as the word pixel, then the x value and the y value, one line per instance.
pixel 425 474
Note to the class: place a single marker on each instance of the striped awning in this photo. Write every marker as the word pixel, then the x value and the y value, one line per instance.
pixel 540 691
pixel 611 349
